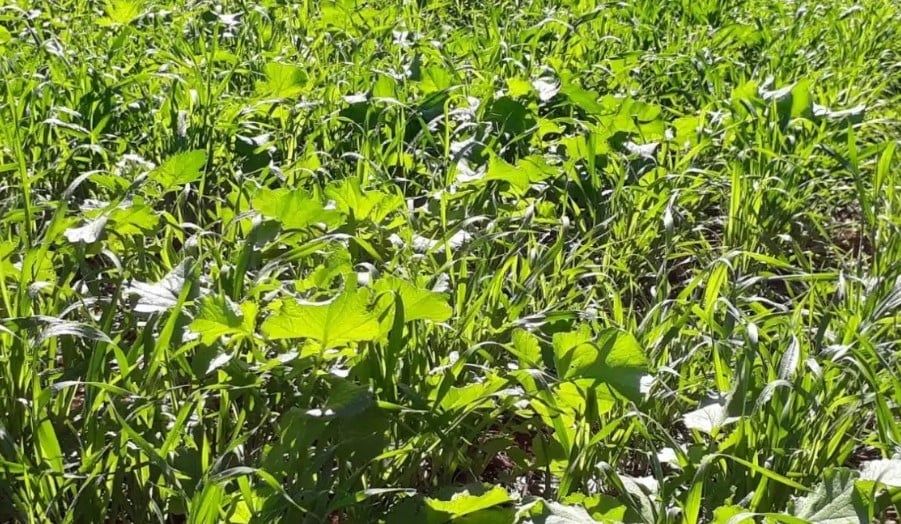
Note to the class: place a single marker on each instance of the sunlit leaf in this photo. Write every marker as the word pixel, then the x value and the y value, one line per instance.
pixel 88 233
pixel 465 501
pixel 344 319
pixel 419 303
pixel 163 295
pixel 613 357
pixel 219 316
pixel 282 80
pixel 180 169
pixel 294 208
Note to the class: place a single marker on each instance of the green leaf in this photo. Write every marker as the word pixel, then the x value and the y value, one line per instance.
pixel 219 316
pixel 335 323
pixel 134 218
pixel 180 169
pixel 282 80
pixel 613 358
pixel 123 12
pixel 548 512
pixel 509 116
pixel 834 501
pixel 527 349
pixel 732 515
pixel 465 501
pixel 48 446
pixel 362 205
pixel 294 208
pixel 470 397
pixel 604 508
pixel 527 171
pixel 419 303
pixel 345 399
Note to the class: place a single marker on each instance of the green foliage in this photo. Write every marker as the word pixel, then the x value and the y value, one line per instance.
pixel 444 261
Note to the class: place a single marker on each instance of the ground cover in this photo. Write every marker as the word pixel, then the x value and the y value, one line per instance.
pixel 450 261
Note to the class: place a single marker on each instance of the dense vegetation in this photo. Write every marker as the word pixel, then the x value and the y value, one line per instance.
pixel 450 261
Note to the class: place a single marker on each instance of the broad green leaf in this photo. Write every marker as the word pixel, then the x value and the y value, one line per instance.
pixel 362 205
pixel 527 171
pixel 470 396
pixel 294 208
pixel 123 12
pixel 836 500
pixel 603 508
pixel 519 87
pixel 583 99
pixel 613 358
pixel 419 303
pixel 465 501
pixel 134 218
pixel 710 417
pixel 527 349
pixel 180 169
pixel 337 263
pixel 219 316
pixel 509 117
pixel 548 512
pixel 344 319
pixel 282 80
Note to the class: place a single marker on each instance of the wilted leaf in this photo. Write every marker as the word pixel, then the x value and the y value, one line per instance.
pixel 335 323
